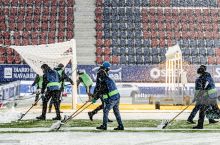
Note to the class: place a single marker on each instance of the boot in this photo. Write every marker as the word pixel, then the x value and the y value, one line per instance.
pixel 57 118
pixel 198 127
pixel 41 117
pixel 90 115
pixel 110 121
pixel 212 121
pixel 102 127
pixel 190 121
pixel 119 128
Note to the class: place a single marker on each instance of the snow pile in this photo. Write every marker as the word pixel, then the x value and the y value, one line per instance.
pixel 9 116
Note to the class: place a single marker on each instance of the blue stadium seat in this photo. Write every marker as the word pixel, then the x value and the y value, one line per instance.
pixel 147 59
pixel 123 59
pixel 138 42
pixel 203 60
pixel 131 59
pixel 114 11
pixel 129 3
pixel 115 19
pixel 209 43
pixel 186 51
pixel 107 34
pixel 146 43
pixel 122 26
pixel 138 51
pixel 130 42
pixel 189 3
pixel 114 3
pixel 186 43
pixel 147 51
pixel 137 3
pixel 122 42
pixel 139 59
pixel 216 43
pixel 131 51
pixel 155 51
pixel 122 3
pixel 163 51
pixel 122 34
pixel 107 3
pixel 115 51
pixel 130 26
pixel 187 59
pixel 196 60
pixel 129 11
pixel 145 3
pixel 155 59
pixel 121 11
pixel 202 51
pixel 115 43
pixel 107 11
pixel 123 51
pixel 194 51
pixel 192 43
pixel 210 51
pixel 201 43
pixel 162 58
pixel 130 34
pixel 115 26
pixel 114 34
pixel 107 26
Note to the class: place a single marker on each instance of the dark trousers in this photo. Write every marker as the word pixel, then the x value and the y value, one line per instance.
pixel 55 97
pixel 52 102
pixel 108 105
pixel 196 109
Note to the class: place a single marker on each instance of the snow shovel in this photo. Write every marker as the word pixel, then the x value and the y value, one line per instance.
pixel 56 126
pixel 166 123
pixel 22 115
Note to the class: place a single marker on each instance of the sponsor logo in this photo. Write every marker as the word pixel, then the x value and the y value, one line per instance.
pixel 7 73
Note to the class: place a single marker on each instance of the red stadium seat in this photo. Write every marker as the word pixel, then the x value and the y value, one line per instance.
pixel 70 3
pixel 9 51
pixel 2 51
pixel 70 35
pixel 99 27
pixel 99 59
pixel 115 59
pixel 99 51
pixel 70 11
pixel 10 59
pixel 98 11
pixel 107 43
pixel 107 51
pixel 51 34
pixel 107 58
pixel 99 3
pixel 99 34
pixel 211 60
pixel 2 59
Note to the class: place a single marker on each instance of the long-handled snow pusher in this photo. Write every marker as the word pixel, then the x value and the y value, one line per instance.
pixel 56 126
pixel 166 123
pixel 22 115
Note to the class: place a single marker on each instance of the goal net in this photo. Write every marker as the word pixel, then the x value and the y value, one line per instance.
pixel 51 54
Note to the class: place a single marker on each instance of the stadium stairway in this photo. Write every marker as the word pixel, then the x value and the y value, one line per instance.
pixel 85 31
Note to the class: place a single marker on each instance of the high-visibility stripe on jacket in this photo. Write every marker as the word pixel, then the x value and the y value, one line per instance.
pixel 86 79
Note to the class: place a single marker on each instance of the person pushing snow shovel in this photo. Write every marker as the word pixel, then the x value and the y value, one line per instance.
pixel 206 95
pixel 111 98
pixel 198 105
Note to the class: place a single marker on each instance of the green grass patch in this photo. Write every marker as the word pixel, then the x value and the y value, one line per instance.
pixel 180 124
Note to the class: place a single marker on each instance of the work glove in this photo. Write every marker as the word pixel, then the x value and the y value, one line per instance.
pixel 94 100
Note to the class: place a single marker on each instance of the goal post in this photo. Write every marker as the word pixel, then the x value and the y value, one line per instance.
pixel 51 54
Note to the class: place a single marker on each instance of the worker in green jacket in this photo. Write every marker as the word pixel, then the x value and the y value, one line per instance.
pixel 86 80
pixel 38 81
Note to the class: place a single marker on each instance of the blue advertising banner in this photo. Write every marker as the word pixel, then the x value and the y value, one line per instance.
pixel 120 73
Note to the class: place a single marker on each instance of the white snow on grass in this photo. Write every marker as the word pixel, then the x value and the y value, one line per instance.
pixel 9 115
pixel 112 138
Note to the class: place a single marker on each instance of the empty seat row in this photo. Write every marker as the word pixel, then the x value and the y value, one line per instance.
pixel 36 3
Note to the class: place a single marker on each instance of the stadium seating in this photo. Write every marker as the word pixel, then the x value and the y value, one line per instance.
pixel 139 30
pixel 34 22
